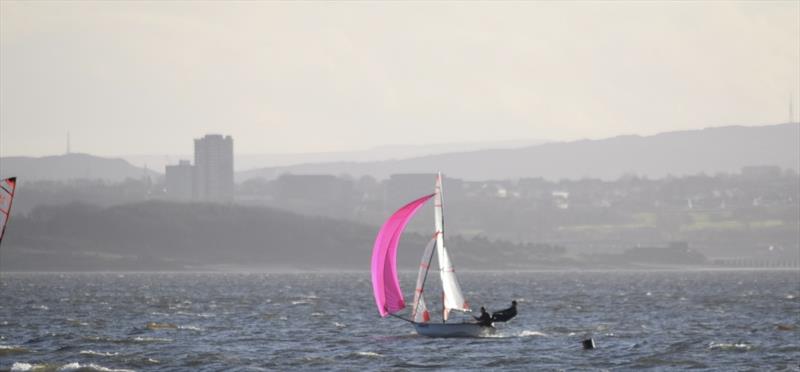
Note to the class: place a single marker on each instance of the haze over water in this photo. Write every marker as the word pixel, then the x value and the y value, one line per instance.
pixel 713 320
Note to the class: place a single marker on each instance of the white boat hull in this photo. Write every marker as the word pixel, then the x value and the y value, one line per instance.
pixel 453 330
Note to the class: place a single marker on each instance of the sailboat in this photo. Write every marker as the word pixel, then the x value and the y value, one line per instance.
pixel 7 188
pixel 386 286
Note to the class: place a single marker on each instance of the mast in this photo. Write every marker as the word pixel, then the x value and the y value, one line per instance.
pixel 452 298
pixel 438 214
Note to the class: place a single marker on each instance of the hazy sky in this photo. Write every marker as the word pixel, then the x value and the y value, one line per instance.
pixel 147 77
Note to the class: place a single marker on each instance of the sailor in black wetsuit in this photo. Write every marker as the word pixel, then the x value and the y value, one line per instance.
pixel 485 319
pixel 506 314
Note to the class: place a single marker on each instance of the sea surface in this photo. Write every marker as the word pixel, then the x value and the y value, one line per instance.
pixel 658 320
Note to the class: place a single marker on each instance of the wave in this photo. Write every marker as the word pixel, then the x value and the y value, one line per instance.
pixel 190 328
pixel 11 349
pixel 74 366
pixel 741 346
pixel 156 326
pixel 367 354
pixel 150 339
pixel 525 333
pixel 97 353
pixel 200 315
pixel 153 326
pixel 531 334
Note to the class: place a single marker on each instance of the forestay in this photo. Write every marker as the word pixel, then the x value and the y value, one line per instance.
pixel 419 311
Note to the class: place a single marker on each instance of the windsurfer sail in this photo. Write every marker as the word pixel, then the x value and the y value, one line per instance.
pixel 7 188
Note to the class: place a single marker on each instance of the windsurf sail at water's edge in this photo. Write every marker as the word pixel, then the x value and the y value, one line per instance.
pixel 7 187
pixel 385 283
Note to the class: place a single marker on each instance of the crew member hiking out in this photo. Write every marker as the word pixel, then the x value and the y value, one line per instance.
pixel 506 314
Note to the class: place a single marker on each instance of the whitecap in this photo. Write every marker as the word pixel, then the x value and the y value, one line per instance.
pixel 368 354
pixel 301 302
pixel 190 328
pixel 75 366
pixel 725 346
pixel 151 339
pixel 97 353
pixel 339 325
pixel 12 349
pixel 531 333
pixel 18 366
pixel 9 347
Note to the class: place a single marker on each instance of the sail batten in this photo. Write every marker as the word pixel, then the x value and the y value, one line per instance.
pixel 385 283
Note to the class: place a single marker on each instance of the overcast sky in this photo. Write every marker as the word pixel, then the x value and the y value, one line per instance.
pixel 147 77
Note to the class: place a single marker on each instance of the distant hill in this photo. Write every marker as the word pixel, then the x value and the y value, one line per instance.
pixel 711 150
pixel 168 236
pixel 70 166
pixel 244 162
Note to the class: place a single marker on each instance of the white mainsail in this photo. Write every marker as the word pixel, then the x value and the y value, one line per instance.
pixel 453 299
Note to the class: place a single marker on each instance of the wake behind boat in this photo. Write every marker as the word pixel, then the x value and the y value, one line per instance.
pixel 386 285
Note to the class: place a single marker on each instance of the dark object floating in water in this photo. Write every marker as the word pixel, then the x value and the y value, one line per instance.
pixel 506 314
pixel 588 344
pixel 154 326
pixel 785 327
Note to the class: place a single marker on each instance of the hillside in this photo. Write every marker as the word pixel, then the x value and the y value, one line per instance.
pixel 70 167
pixel 176 236
pixel 711 150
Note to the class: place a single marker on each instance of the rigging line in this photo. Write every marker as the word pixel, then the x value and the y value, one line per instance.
pixel 430 259
pixel 400 317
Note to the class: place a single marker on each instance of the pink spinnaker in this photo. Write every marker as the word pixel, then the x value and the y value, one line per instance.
pixel 385 284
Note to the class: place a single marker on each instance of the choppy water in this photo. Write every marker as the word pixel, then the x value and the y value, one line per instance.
pixel 733 320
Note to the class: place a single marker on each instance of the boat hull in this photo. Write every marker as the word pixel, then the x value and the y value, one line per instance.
pixel 453 330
